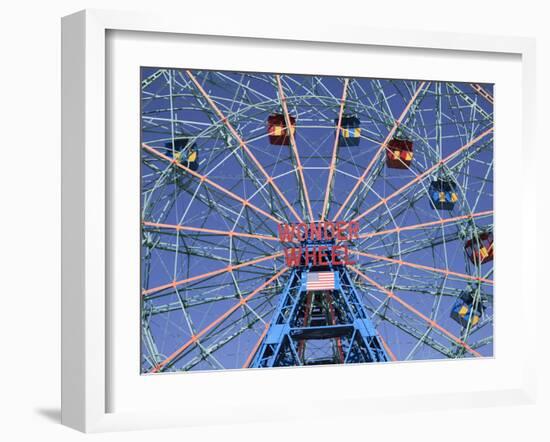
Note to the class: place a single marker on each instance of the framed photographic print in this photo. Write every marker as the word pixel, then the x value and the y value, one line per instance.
pixel 249 215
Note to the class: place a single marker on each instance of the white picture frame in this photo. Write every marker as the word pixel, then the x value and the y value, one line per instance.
pixel 86 216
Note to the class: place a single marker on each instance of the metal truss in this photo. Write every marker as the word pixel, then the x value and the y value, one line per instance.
pixel 321 327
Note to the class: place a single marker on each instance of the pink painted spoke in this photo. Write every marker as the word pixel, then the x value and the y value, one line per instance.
pixel 424 174
pixel 332 169
pixel 205 179
pixel 215 322
pixel 409 307
pixel 226 269
pixel 299 166
pixel 242 144
pixel 382 147
pixel 212 231
pixel 421 267
pixel 427 224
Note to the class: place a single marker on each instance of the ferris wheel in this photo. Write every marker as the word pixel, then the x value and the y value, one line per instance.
pixel 228 157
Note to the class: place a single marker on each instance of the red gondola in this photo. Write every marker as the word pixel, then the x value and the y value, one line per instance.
pixel 278 131
pixel 481 249
pixel 399 153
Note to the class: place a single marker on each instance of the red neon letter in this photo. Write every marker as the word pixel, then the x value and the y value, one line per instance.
pixel 346 257
pixel 340 231
pixel 354 230
pixel 329 230
pixel 292 256
pixel 301 231
pixel 315 232
pixel 286 232
pixel 311 255
pixel 335 256
pixel 323 258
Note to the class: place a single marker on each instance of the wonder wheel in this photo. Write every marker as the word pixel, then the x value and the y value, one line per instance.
pixel 228 157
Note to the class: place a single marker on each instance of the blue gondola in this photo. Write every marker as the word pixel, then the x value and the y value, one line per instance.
pixel 463 310
pixel 187 155
pixel 350 132
pixel 443 195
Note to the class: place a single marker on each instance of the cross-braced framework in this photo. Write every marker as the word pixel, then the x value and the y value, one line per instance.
pixel 227 157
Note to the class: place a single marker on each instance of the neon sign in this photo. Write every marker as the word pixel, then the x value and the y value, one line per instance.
pixel 320 242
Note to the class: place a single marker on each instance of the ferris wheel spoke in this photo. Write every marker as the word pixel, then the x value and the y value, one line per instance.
pixel 212 231
pixel 423 267
pixel 332 167
pixel 226 269
pixel 204 292
pixel 363 194
pixel 483 342
pixel 454 219
pixel 416 312
pixel 428 234
pixel 482 92
pixel 229 216
pixel 197 243
pixel 404 198
pixel 206 295
pixel 387 348
pixel 425 174
pixel 470 101
pixel 217 346
pixel 405 323
pixel 243 145
pixel 411 246
pixel 416 285
pixel 205 179
pixel 469 156
pixel 173 357
pixel 404 326
pixel 191 251
pixel 398 207
pixel 224 331
pixel 235 149
pixel 296 155
pixel 222 334
pixel 256 346
pixel 395 215
pixel 392 131
pixel 200 247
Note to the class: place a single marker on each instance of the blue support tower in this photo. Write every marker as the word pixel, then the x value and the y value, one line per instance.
pixel 314 327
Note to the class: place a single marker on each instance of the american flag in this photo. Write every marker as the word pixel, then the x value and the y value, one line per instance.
pixel 320 281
